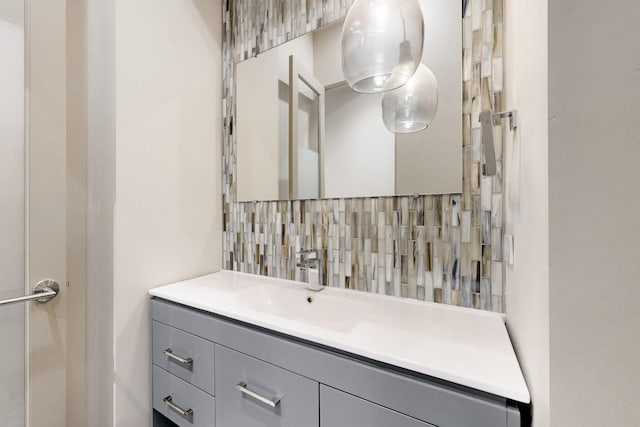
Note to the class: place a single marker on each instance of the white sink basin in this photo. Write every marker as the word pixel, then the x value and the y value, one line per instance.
pixel 321 309
pixel 463 346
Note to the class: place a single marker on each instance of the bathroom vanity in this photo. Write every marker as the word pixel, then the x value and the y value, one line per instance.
pixel 231 349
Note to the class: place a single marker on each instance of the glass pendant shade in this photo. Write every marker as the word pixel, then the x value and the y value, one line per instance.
pixel 382 43
pixel 412 107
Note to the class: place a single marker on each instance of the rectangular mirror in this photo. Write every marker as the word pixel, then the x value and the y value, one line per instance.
pixel 302 133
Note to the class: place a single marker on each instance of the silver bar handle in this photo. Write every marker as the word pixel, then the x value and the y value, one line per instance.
pixel 169 353
pixel 184 412
pixel 272 402
pixel 44 291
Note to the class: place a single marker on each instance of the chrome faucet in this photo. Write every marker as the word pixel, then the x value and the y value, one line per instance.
pixel 309 260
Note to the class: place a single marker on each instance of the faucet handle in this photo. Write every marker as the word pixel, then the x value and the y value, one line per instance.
pixel 309 260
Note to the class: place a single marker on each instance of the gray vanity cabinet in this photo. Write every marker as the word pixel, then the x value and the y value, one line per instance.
pixel 219 372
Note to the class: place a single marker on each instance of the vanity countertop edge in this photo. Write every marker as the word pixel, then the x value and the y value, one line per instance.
pixel 464 346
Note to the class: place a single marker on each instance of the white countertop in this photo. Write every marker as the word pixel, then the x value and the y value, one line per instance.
pixel 463 346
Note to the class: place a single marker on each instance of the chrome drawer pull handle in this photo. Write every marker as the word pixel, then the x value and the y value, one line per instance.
pixel 273 402
pixel 187 362
pixel 184 412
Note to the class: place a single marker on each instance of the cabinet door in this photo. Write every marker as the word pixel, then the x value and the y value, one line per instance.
pixel 252 393
pixel 339 409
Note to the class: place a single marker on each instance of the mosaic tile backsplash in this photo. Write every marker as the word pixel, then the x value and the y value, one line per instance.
pixel 442 248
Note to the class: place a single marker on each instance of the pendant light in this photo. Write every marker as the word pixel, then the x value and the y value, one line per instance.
pixel 412 107
pixel 382 43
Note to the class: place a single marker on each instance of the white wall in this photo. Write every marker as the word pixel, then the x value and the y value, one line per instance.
pixel 594 212
pixel 154 181
pixel 526 204
pixel 573 208
pixel 167 213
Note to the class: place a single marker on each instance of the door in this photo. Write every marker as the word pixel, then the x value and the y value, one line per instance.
pixel 32 211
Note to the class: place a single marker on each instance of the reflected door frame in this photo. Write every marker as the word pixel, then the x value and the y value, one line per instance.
pixel 297 73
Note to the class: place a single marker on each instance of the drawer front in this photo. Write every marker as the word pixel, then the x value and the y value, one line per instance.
pixel 181 347
pixel 171 396
pixel 247 389
pixel 338 409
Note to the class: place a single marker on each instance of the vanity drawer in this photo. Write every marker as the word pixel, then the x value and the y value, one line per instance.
pixel 173 348
pixel 339 409
pixel 171 396
pixel 252 393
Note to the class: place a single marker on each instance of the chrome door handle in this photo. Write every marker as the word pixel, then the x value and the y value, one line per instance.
pixel 184 412
pixel 44 291
pixel 169 353
pixel 272 402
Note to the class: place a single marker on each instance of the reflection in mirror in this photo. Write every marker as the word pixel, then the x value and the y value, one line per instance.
pixel 358 146
pixel 284 151
pixel 308 144
pixel 306 130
